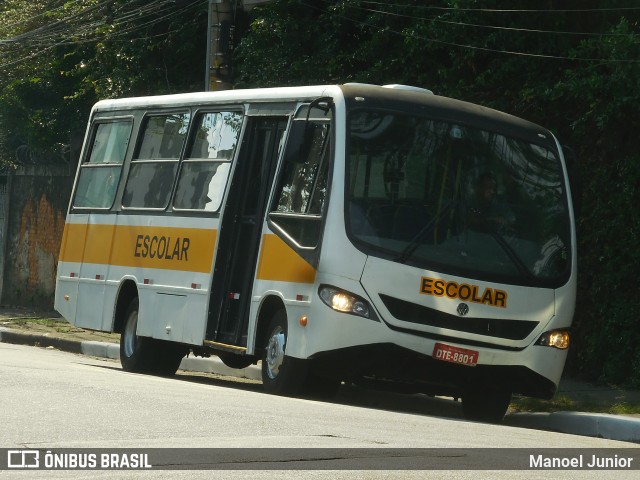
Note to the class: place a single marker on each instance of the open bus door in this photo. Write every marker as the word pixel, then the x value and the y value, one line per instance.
pixel 241 231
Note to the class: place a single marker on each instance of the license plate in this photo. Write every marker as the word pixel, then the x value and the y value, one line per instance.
pixel 448 353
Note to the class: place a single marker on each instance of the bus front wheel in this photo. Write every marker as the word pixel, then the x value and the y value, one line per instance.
pixel 281 375
pixel 486 404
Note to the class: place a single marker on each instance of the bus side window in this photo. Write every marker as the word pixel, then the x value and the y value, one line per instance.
pixel 155 165
pixel 100 172
pixel 303 183
pixel 204 172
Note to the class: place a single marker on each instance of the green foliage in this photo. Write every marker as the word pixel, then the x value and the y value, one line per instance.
pixel 42 115
pixel 604 99
pixel 563 403
pixel 57 58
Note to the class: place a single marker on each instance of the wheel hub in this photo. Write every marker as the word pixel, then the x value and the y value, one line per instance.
pixel 130 335
pixel 275 353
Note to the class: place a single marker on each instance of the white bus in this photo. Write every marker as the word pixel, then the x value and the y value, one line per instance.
pixel 380 236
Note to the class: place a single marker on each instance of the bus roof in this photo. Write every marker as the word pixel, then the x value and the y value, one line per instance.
pixel 357 95
pixel 223 96
pixel 423 103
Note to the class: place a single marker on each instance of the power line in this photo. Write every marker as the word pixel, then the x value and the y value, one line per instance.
pixel 146 13
pixel 52 32
pixel 65 30
pixel 493 27
pixel 39 30
pixel 508 10
pixel 470 47
pixel 28 57
pixel 30 19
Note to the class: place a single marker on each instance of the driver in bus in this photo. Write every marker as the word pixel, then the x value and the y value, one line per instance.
pixel 487 214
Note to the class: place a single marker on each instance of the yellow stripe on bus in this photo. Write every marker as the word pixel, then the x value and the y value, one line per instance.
pixel 170 248
pixel 98 241
pixel 72 246
pixel 279 262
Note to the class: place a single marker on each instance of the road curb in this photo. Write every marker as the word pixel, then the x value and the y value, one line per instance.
pixel 100 349
pixel 11 336
pixel 112 351
pixel 612 427
pixel 601 425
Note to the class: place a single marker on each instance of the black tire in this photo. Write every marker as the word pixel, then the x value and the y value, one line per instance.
pixel 487 403
pixel 319 387
pixel 281 375
pixel 147 355
pixel 167 357
pixel 234 360
pixel 136 353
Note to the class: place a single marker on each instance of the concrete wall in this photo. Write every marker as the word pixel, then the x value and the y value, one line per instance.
pixel 38 196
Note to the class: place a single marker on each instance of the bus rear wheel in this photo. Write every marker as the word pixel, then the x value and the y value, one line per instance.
pixel 281 375
pixel 168 356
pixel 135 351
pixel 143 354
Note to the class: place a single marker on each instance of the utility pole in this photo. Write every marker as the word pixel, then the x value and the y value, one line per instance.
pixel 5 190
pixel 221 41
pixel 219 45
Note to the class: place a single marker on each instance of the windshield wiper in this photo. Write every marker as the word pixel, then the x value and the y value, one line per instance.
pixel 415 242
pixel 511 253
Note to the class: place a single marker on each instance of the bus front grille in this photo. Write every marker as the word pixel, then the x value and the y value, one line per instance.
pixel 491 327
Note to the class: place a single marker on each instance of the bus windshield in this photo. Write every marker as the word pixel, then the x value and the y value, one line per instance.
pixel 457 199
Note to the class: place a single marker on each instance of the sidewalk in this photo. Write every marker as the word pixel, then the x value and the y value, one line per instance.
pixel 29 328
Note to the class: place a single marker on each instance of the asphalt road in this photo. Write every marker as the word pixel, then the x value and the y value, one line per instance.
pixel 52 400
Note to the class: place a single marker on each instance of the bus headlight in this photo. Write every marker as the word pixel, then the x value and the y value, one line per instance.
pixel 555 338
pixel 345 302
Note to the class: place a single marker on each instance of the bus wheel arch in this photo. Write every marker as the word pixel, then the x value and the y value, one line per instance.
pixel 269 306
pixel 127 293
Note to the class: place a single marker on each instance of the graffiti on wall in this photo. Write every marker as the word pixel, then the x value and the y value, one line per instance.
pixel 26 155
pixel 37 246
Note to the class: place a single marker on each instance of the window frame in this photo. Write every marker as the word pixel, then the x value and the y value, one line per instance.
pixel 197 115
pixel 85 163
pixel 143 123
pixel 310 253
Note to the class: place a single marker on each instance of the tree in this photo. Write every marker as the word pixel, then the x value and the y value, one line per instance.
pixel 59 57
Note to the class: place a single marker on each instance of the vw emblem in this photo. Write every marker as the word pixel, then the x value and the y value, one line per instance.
pixel 463 309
